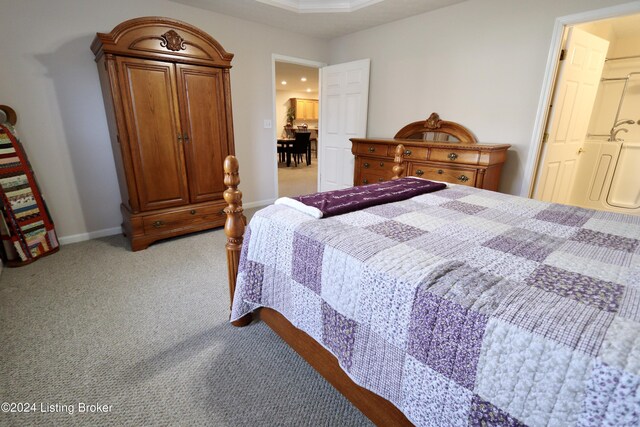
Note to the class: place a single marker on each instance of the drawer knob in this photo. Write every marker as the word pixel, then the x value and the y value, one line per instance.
pixel 452 156
pixel 366 165
pixel 372 149
pixel 380 179
pixel 381 164
pixel 192 212
pixel 440 171
pixel 407 152
pixel 463 178
pixel 419 172
pixel 365 181
pixel 157 224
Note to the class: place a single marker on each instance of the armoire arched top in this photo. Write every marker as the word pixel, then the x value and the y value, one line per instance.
pixel 157 37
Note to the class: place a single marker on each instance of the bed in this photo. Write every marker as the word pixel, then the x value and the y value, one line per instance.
pixel 457 307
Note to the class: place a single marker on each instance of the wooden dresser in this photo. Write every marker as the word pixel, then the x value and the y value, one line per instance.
pixel 434 149
pixel 167 98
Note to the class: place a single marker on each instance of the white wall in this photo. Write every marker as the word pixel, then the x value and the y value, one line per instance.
pixel 480 63
pixel 49 77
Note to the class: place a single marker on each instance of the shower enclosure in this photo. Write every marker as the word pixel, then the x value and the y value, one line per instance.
pixel 608 175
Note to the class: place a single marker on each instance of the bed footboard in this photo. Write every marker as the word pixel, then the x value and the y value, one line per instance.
pixel 234 227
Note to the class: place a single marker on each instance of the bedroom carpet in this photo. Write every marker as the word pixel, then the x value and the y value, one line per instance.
pixel 147 333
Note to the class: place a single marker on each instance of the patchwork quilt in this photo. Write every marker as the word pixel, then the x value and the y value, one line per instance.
pixel 463 306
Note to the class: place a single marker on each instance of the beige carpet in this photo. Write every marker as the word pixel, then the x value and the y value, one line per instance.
pixel 295 181
pixel 147 333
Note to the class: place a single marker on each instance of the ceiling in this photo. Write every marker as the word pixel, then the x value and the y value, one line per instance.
pixel 292 73
pixel 321 25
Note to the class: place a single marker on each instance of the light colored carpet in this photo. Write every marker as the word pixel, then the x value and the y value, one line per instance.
pixel 295 181
pixel 147 333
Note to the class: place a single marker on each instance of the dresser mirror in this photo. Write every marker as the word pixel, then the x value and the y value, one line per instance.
pixel 436 130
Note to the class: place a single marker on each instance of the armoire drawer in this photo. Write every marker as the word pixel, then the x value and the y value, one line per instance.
pixel 185 218
pixel 457 176
pixel 469 157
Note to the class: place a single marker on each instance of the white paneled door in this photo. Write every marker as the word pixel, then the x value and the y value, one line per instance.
pixel 572 103
pixel 344 98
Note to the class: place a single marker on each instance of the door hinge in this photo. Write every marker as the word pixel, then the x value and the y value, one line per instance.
pixel 563 54
pixel 545 137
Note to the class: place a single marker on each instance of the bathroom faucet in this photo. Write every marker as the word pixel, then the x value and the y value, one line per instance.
pixel 625 122
pixel 614 134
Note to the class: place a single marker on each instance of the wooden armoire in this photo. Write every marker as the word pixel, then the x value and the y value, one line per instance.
pixel 167 97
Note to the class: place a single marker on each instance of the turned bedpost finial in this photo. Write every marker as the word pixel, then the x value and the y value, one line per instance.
pixel 398 168
pixel 234 226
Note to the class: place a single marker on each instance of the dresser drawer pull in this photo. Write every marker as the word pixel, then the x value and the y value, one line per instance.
pixel 463 178
pixel 440 171
pixel 380 179
pixel 452 156
pixel 372 149
pixel 157 224
pixel 419 172
pixel 381 164
pixel 365 181
pixel 366 165
pixel 407 152
pixel 192 212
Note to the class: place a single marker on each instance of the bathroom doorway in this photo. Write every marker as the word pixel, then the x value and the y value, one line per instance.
pixel 590 146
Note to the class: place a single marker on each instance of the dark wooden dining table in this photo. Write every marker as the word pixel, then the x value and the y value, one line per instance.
pixel 287 143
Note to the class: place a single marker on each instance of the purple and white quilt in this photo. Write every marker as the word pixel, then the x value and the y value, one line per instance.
pixel 463 306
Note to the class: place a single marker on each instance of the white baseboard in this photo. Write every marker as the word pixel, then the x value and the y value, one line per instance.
pixel 258 204
pixel 74 238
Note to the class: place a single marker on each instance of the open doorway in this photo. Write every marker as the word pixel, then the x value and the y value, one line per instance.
pixel 296 126
pixel 590 149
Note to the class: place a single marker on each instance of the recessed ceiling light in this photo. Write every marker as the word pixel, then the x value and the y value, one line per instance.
pixel 308 90
pixel 284 82
pixel 303 79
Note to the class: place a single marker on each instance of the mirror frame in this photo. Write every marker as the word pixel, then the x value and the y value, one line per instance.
pixel 435 124
pixel 12 117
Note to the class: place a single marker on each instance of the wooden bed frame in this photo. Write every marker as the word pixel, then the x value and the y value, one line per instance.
pixel 376 408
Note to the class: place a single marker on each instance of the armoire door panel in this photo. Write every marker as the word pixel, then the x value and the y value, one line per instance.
pixel 202 108
pixel 153 130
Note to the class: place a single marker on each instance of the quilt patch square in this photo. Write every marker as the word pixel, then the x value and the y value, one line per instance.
pixel 585 289
pixel 555 317
pixel 377 364
pixel 464 207
pixel 387 210
pixel 525 243
pixel 338 334
pixel 430 399
pixel 396 230
pixel 612 398
pixel 566 215
pixel 536 380
pixel 307 262
pixel 511 267
pixel 453 193
pixel 253 278
pixel 549 228
pixel 621 346
pixel 483 414
pixel 341 275
pixel 601 254
pixel 306 310
pixel 446 337
pixel 630 304
pixel 606 240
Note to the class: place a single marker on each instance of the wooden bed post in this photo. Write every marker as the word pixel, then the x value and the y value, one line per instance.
pixel 234 227
pixel 398 168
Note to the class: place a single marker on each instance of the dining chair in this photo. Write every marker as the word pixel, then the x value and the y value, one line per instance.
pixel 301 146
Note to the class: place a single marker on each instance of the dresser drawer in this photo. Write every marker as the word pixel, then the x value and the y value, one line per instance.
pixel 456 176
pixel 368 165
pixel 452 155
pixel 371 177
pixel 182 219
pixel 409 152
pixel 372 149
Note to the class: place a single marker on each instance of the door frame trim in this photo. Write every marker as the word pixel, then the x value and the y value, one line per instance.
pixel 299 61
pixel 548 84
